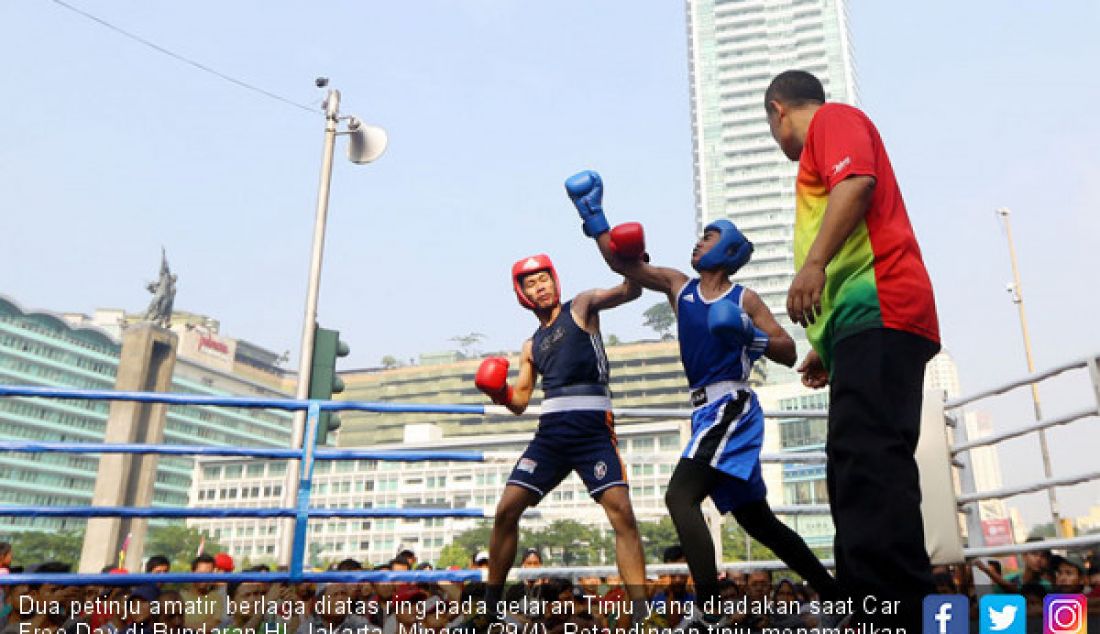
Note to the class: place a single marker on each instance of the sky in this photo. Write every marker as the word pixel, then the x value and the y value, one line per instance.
pixel 110 150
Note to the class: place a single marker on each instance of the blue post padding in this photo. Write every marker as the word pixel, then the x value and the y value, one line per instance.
pixel 357 576
pixel 129 511
pixel 305 475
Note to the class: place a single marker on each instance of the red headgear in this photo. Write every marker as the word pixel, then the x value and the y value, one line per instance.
pixel 223 562
pixel 533 264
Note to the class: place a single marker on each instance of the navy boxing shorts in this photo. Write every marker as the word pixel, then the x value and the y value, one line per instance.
pixel 582 441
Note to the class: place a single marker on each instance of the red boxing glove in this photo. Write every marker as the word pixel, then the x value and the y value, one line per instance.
pixel 628 241
pixel 492 379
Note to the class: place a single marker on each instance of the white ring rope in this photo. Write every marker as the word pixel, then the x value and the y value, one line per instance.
pixel 1027 429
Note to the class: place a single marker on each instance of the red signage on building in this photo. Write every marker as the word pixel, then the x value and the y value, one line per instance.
pixel 213 344
pixel 997 532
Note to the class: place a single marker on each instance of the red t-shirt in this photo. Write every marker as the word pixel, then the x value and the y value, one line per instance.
pixel 877 279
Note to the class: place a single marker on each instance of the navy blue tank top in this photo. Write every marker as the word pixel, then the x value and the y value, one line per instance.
pixel 571 361
pixel 707 359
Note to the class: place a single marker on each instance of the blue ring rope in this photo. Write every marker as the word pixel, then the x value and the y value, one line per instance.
pixel 133 579
pixel 130 511
pixel 34 446
pixel 301 513
pixel 236 401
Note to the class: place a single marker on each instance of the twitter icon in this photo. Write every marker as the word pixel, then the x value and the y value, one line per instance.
pixel 1002 614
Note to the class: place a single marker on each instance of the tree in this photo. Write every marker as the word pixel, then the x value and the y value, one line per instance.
pixel 453 555
pixel 734 544
pixel 390 362
pixel 35 547
pixel 1045 531
pixel 660 318
pixel 467 343
pixel 179 543
pixel 570 543
pixel 656 537
pixel 474 539
pixel 613 340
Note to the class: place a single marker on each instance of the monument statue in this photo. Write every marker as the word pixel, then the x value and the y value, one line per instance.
pixel 159 311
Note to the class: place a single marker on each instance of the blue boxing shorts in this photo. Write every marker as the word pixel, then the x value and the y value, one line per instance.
pixel 582 441
pixel 727 434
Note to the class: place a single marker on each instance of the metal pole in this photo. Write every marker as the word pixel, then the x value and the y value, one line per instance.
pixel 1018 299
pixel 305 362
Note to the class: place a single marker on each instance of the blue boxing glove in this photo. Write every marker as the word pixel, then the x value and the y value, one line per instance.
pixel 585 189
pixel 729 323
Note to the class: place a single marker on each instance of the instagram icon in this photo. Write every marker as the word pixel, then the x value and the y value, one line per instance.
pixel 1064 614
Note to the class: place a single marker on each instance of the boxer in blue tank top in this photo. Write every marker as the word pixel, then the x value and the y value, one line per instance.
pixel 576 430
pixel 723 328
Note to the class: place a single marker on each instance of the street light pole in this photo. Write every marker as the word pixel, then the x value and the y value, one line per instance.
pixel 1018 298
pixel 365 144
pixel 309 323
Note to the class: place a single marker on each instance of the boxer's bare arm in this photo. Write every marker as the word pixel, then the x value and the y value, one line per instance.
pixel 655 278
pixel 525 382
pixel 587 305
pixel 781 348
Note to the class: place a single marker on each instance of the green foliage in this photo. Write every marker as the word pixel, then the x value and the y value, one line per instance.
pixel 467 344
pixel 453 555
pixel 179 543
pixel 656 537
pixel 735 547
pixel 660 318
pixel 569 543
pixel 30 548
pixel 473 540
pixel 1045 531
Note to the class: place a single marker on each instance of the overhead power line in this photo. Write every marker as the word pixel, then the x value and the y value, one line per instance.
pixel 186 60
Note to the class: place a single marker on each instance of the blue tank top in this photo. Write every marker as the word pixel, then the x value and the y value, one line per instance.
pixel 706 358
pixel 571 361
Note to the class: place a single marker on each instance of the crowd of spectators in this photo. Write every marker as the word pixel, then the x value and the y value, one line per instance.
pixel 554 605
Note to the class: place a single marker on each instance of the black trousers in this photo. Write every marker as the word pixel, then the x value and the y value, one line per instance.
pixel 691 483
pixel 874 487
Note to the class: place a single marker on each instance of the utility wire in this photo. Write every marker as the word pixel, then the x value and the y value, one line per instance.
pixel 183 59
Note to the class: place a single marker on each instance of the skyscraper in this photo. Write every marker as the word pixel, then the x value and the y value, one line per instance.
pixel 735 47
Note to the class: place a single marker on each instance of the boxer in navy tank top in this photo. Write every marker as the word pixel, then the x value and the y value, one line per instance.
pixel 723 329
pixel 576 431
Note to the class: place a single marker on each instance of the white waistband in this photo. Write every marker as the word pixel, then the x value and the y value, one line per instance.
pixel 575 403
pixel 717 390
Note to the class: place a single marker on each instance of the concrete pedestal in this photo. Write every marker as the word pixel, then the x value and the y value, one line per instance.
pixel 146 363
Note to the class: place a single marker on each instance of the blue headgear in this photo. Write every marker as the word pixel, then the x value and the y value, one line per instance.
pixel 731 252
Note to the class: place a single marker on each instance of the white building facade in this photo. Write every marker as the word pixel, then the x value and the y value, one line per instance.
pixel 735 48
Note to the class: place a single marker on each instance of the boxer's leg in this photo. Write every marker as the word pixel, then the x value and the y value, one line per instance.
pixel 690 484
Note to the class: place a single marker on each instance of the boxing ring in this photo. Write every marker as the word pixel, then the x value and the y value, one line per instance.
pixel 939 416
pixel 969 496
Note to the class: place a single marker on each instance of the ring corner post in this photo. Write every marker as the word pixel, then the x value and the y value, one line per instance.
pixel 301 511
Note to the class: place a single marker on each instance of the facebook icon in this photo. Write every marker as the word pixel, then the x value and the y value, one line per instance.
pixel 946 614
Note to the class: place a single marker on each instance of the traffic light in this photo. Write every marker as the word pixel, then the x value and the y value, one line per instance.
pixel 323 381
